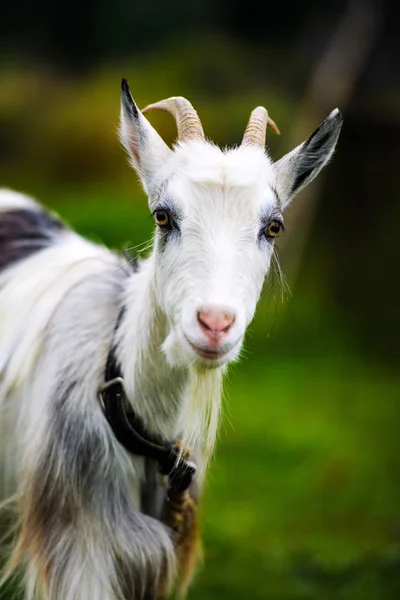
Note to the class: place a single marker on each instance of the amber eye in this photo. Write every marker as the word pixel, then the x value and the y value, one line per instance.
pixel 273 229
pixel 162 218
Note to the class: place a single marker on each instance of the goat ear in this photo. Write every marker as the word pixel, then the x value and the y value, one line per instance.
pixel 297 168
pixel 147 150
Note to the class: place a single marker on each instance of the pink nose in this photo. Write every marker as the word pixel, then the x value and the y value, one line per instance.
pixel 215 322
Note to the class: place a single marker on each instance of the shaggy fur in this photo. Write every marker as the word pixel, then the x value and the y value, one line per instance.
pixel 91 519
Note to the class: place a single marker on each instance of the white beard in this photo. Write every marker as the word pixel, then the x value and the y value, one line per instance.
pixel 200 420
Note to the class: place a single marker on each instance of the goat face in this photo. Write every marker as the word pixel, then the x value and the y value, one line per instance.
pixel 215 248
pixel 218 213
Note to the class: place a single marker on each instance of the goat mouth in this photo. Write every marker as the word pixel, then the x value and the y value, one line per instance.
pixel 208 352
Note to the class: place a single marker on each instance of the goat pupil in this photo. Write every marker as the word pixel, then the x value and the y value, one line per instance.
pixel 273 229
pixel 162 217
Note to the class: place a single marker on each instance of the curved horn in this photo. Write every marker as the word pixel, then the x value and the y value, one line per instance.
pixel 256 129
pixel 187 120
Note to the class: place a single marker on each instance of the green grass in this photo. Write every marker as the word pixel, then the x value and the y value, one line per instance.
pixel 302 499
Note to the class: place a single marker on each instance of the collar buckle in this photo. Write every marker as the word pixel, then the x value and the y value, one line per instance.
pixel 117 381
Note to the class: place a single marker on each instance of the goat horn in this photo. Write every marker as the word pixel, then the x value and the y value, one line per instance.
pixel 187 120
pixel 256 129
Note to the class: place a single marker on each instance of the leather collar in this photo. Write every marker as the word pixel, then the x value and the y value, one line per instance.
pixel 130 431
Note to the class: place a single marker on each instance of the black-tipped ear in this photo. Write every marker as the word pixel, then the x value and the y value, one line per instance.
pixel 127 101
pixel 295 170
pixel 147 150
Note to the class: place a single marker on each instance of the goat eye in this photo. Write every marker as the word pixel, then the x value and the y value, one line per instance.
pixel 273 229
pixel 162 218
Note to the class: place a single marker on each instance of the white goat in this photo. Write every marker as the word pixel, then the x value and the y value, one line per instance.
pixel 96 519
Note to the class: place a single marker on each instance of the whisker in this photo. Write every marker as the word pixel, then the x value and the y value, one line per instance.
pixel 285 289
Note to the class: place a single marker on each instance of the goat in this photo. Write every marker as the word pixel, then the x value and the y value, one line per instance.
pixel 77 319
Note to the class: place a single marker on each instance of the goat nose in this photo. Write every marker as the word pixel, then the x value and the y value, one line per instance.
pixel 215 322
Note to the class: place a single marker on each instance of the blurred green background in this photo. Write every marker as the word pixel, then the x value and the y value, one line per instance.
pixel 302 499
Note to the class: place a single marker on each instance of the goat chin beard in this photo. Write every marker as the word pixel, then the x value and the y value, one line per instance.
pixel 201 417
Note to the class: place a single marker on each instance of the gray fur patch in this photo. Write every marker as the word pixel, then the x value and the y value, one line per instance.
pixel 74 484
pixel 24 232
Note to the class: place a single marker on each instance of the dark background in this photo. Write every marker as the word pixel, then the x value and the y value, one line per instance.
pixel 302 499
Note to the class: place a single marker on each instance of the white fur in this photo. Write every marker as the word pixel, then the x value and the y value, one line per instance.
pixel 9 199
pixel 58 313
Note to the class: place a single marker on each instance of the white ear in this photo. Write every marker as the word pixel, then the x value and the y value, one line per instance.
pixel 147 150
pixel 296 169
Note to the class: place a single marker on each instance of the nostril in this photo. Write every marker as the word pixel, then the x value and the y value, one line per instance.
pixel 202 319
pixel 229 322
pixel 215 321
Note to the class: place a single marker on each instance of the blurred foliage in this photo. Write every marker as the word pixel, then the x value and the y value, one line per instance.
pixel 57 130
